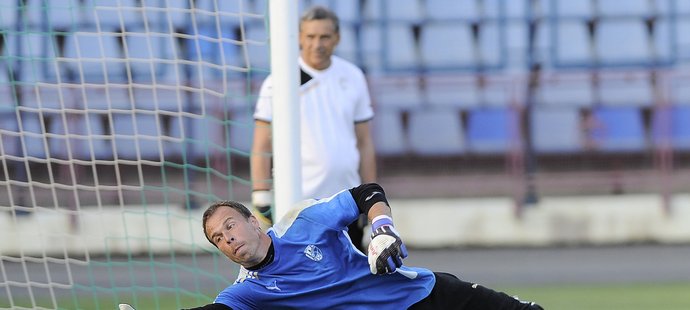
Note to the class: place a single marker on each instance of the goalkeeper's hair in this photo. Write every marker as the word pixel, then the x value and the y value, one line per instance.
pixel 320 13
pixel 244 211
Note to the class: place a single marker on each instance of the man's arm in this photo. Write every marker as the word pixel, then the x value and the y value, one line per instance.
pixel 367 153
pixel 260 157
pixel 215 306
pixel 260 168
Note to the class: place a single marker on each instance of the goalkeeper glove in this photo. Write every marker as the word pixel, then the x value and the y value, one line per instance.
pixel 261 200
pixel 386 250
pixel 125 307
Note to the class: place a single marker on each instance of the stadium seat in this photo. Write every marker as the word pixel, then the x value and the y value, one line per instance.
pixel 618 129
pixel 33 134
pixel 492 130
pixel 348 11
pixel 137 136
pixel 671 127
pixel 632 8
pixel 435 132
pixel 9 133
pixel 407 11
pixel 146 56
pixel 454 10
pixel 8 14
pixel 572 10
pixel 371 47
pixel 80 136
pixel 572 46
pixel 94 57
pixel 492 48
pixel 241 128
pixel 201 136
pixel 457 43
pixel 389 133
pixel 61 14
pixel 400 48
pixel 347 48
pixel 112 15
pixel 256 45
pixel 556 130
pixel 622 43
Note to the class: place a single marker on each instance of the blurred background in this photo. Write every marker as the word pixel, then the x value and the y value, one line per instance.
pixel 538 145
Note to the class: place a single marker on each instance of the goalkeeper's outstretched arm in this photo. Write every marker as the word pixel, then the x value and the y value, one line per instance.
pixel 386 249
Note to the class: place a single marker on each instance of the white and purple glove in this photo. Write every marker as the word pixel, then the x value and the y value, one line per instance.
pixel 386 250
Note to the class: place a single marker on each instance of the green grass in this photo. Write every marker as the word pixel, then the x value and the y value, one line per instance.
pixel 666 296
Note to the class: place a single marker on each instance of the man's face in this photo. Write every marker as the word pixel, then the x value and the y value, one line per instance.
pixel 317 40
pixel 238 238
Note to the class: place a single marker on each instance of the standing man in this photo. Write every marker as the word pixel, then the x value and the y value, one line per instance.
pixel 337 149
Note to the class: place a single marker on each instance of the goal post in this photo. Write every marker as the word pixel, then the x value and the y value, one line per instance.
pixel 119 121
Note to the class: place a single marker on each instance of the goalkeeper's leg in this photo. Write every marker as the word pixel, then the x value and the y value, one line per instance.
pixel 449 292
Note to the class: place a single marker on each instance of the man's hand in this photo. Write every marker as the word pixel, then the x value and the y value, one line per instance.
pixel 125 307
pixel 386 249
pixel 261 200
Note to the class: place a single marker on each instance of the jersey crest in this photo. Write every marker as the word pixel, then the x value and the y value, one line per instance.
pixel 313 252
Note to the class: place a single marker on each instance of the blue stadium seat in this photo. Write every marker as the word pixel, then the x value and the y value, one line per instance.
pixel 8 14
pixel 347 48
pixel 60 14
pixel 371 47
pixel 147 56
pixel 85 135
pixel 202 134
pixel 568 9
pixel 492 130
pixel 618 129
pixel 115 14
pixel 256 44
pixel 556 130
pixel 632 8
pixel 33 134
pixel 389 133
pixel 671 127
pixel 622 43
pixel 436 132
pixel 452 10
pixel 137 136
pixel 9 133
pixel 241 128
pixel 572 46
pixel 94 57
pixel 407 11
pixel 456 42
pixel 400 48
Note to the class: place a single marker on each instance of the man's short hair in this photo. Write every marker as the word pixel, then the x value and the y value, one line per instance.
pixel 320 13
pixel 244 211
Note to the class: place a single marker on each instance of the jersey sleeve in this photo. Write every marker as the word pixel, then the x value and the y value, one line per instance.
pixel 237 297
pixel 264 109
pixel 336 212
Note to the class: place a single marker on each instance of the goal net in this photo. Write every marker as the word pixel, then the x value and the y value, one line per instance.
pixel 119 121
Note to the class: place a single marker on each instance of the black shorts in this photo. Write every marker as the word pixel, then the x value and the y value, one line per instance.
pixel 449 292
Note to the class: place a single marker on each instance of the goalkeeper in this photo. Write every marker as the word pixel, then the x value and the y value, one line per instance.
pixel 306 261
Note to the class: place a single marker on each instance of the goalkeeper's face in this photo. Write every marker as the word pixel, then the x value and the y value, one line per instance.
pixel 239 238
pixel 317 41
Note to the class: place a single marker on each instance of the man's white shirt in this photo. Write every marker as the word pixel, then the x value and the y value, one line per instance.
pixel 331 103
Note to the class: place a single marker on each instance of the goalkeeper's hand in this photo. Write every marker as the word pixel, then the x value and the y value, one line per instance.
pixel 125 307
pixel 261 200
pixel 386 249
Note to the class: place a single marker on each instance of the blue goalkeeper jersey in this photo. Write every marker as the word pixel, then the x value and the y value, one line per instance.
pixel 316 267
